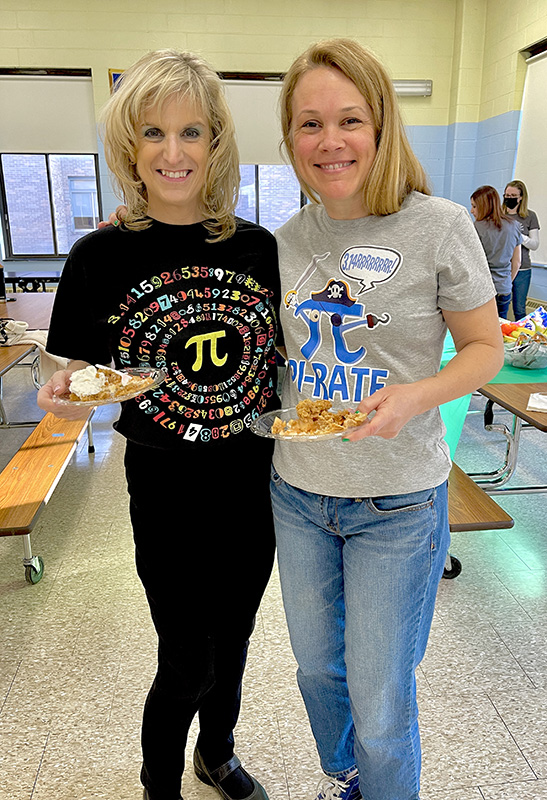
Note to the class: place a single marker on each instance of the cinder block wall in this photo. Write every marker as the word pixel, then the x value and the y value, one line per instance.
pixel 465 134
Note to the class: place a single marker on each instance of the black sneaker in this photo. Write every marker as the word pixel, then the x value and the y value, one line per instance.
pixel 230 780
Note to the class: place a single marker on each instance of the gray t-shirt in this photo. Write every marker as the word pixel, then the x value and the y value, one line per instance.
pixel 362 309
pixel 499 246
pixel 528 223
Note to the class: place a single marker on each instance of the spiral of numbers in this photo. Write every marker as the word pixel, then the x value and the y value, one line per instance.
pixel 197 308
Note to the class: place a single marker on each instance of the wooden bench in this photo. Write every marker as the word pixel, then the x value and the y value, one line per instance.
pixel 28 481
pixel 470 509
pixel 30 478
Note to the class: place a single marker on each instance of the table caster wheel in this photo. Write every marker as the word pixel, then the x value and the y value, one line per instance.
pixel 455 568
pixel 33 575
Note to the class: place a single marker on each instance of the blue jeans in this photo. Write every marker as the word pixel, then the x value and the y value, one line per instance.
pixel 521 285
pixel 359 579
pixel 503 301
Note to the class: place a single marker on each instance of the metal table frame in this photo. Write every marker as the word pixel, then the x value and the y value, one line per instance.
pixel 513 398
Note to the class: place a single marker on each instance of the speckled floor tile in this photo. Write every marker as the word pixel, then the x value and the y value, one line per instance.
pixel 8 672
pixel 95 762
pixel 495 553
pixel 527 641
pixel 530 591
pixel 527 790
pixel 463 657
pixel 525 715
pixel 453 794
pixel 21 751
pixel 477 598
pixel 466 743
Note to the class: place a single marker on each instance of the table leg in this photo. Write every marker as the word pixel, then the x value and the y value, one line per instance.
pixel 492 482
pixel 4 422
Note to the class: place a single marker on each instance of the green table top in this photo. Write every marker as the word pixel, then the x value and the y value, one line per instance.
pixel 454 413
pixel 506 374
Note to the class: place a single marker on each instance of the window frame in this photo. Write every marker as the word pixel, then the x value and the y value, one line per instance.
pixel 303 200
pixel 74 191
pixel 9 255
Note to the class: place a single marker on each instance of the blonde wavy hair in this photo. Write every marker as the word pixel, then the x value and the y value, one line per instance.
pixel 396 171
pixel 152 80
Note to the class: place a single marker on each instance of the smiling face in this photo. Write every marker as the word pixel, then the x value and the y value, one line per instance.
pixel 172 157
pixel 333 140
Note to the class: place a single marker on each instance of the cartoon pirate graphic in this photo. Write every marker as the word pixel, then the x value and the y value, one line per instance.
pixel 335 302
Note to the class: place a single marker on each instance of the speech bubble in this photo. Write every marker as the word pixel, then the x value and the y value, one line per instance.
pixel 370 265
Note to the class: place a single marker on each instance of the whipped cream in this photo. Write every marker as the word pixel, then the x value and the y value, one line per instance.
pixel 88 381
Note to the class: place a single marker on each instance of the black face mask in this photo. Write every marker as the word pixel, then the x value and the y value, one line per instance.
pixel 511 202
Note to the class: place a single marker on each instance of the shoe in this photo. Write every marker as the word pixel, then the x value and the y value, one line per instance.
pixel 337 789
pixel 238 777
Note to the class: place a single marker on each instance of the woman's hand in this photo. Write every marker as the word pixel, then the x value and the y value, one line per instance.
pixel 393 407
pixel 114 218
pixel 59 384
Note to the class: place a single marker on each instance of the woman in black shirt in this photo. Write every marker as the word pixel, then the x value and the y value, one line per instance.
pixel 182 284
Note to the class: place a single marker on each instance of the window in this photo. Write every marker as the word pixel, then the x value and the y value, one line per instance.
pixel 269 194
pixel 83 195
pixel 49 201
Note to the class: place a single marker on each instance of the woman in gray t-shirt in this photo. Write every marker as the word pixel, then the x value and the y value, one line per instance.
pixel 373 271
pixel 501 240
pixel 515 205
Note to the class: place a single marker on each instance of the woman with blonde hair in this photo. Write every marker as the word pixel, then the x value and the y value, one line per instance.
pixel 515 206
pixel 374 271
pixel 183 285
pixel 501 240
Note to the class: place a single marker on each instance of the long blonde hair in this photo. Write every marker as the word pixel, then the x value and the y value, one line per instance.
pixel 152 80
pixel 396 171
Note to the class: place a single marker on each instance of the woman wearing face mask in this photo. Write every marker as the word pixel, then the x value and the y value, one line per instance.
pixel 515 204
pixel 184 285
pixel 501 240
pixel 373 270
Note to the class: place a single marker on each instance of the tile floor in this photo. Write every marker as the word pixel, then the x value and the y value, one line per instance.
pixel 77 650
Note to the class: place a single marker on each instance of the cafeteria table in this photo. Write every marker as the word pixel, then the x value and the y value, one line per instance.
pixel 35 310
pixel 32 307
pixel 509 389
pixel 513 397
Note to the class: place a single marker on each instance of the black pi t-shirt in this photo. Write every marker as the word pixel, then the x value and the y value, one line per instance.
pixel 205 313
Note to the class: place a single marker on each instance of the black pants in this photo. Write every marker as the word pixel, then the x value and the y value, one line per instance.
pixel 204 553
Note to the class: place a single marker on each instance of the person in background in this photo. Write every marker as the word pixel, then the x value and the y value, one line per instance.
pixel 181 284
pixel 374 271
pixel 515 205
pixel 501 240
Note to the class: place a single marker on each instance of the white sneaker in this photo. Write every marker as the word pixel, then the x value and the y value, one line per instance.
pixel 340 789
